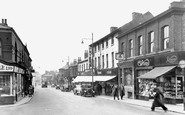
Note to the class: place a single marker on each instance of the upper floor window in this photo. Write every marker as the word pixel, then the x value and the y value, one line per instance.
pixel 16 52
pixel 103 63
pixel 0 48
pixel 151 42
pixel 107 44
pixel 165 37
pixel 98 47
pixel 131 46
pixel 102 45
pixel 140 45
pixel 99 63
pixel 112 41
pixel 107 63
pixel 112 59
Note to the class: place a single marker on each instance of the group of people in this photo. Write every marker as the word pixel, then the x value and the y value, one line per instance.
pixel 158 96
pixel 116 93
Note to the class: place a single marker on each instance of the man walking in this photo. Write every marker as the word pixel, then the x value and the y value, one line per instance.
pixel 115 92
pixel 158 100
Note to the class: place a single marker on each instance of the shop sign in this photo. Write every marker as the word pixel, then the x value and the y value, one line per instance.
pixel 144 62
pixel 6 68
pixel 99 72
pixel 109 72
pixel 18 70
pixel 171 59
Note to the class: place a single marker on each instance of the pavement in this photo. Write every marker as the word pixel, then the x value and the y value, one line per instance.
pixel 178 108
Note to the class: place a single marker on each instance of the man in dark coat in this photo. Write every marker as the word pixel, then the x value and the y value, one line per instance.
pixel 115 92
pixel 122 92
pixel 158 100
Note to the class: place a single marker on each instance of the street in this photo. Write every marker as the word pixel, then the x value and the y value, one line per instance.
pixel 50 101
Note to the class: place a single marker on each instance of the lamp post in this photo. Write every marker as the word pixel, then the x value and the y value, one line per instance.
pixel 92 54
pixel 182 66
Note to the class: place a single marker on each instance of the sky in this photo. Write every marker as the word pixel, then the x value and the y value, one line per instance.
pixel 53 29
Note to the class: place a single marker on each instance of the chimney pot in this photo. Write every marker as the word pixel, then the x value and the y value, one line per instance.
pixel 2 21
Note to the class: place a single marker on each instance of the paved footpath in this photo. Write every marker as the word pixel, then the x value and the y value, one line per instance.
pixel 178 108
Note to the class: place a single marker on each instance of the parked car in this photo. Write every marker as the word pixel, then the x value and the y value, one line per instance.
pixel 87 90
pixel 44 84
pixel 57 87
pixel 77 90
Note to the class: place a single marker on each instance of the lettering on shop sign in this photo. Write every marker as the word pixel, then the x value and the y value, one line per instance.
pixel 144 62
pixel 99 72
pixel 171 59
pixel 109 72
pixel 5 67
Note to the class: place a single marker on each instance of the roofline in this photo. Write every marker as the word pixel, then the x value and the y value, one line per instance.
pixel 105 37
pixel 171 10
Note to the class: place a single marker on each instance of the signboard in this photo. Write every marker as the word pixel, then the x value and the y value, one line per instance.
pixel 120 56
pixel 6 68
pixel 145 62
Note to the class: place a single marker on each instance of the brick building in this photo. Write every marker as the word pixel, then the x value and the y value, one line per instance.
pixel 15 65
pixel 153 48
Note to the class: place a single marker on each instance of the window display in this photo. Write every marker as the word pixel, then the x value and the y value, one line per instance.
pixel 4 85
pixel 146 88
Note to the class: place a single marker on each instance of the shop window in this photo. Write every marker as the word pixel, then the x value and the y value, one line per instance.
pixel 4 85
pixel 128 76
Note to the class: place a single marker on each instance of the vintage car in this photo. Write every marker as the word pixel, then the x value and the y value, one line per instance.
pixel 87 90
pixel 77 90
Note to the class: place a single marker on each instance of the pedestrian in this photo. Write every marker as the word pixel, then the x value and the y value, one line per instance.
pixel 115 92
pixel 158 100
pixel 122 92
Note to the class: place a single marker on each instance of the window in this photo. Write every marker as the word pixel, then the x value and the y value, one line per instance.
pixel 5 84
pixel 98 47
pixel 131 48
pixel 112 41
pixel 95 62
pixel 0 48
pixel 102 45
pixel 151 42
pixel 165 37
pixel 140 45
pixel 107 44
pixel 99 63
pixel 103 63
pixel 123 47
pixel 112 59
pixel 107 60
pixel 16 52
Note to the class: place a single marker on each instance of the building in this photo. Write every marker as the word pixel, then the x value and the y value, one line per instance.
pixel 152 52
pixel 104 62
pixel 15 66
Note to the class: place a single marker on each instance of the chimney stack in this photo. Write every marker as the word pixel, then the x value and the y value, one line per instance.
pixel 180 4
pixel 113 29
pixel 4 22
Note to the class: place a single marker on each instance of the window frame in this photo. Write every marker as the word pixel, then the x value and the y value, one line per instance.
pixel 165 37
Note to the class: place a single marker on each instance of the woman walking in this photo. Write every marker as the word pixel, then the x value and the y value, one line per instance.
pixel 115 92
pixel 158 100
pixel 122 92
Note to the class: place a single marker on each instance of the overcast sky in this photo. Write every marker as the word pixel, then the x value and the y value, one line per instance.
pixel 53 29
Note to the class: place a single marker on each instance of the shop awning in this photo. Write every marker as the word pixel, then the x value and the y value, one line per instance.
pixel 95 78
pixel 156 72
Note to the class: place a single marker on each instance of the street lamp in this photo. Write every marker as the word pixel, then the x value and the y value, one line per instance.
pixel 91 57
pixel 182 66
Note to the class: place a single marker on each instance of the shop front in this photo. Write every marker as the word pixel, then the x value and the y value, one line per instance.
pixel 126 70
pixel 167 74
pixel 142 66
pixel 11 83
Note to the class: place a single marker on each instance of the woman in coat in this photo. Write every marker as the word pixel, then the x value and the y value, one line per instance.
pixel 115 92
pixel 122 92
pixel 158 100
